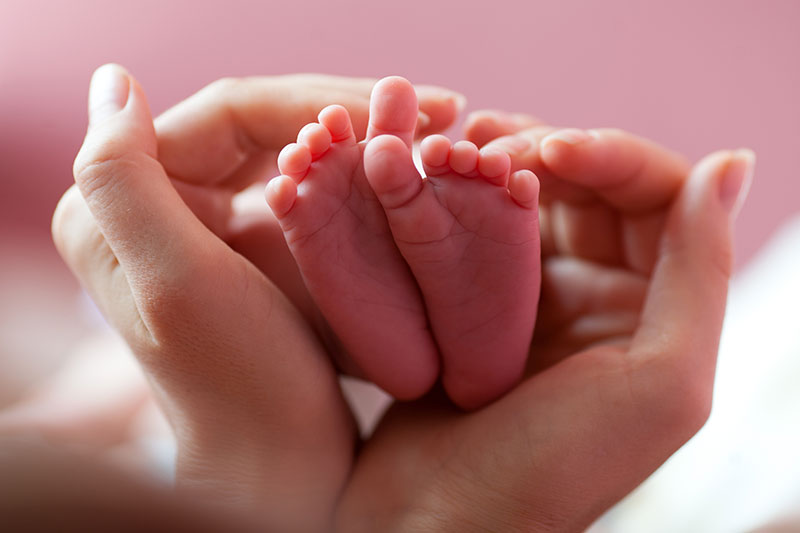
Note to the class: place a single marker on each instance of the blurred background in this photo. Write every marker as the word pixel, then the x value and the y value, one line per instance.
pixel 695 76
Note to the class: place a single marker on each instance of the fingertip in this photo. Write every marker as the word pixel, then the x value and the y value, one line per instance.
pixel 731 172
pixel 109 91
pixel 560 144
pixel 423 122
pixel 486 125
pixel 443 106
pixel 735 186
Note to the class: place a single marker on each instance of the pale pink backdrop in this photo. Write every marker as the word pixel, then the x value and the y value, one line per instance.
pixel 695 76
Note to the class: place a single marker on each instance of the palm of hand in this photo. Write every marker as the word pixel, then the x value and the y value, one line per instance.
pixel 560 418
pixel 589 422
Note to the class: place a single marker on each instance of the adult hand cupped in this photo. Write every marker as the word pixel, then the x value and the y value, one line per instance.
pixel 623 370
pixel 635 268
pixel 252 396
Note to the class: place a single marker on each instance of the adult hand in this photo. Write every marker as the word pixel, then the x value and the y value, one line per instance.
pixel 153 233
pixel 251 395
pixel 635 280
pixel 212 145
pixel 228 135
pixel 501 465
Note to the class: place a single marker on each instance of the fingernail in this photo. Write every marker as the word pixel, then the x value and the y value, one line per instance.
pixel 735 184
pixel 460 101
pixel 569 136
pixel 108 92
pixel 511 144
pixel 423 121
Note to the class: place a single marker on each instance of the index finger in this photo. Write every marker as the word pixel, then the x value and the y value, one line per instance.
pixel 229 131
pixel 628 172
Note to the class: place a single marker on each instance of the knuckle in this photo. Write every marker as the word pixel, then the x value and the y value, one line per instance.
pixel 722 261
pixel 105 168
pixel 307 78
pixel 224 85
pixel 167 297
pixel 678 397
pixel 613 132
pixel 715 258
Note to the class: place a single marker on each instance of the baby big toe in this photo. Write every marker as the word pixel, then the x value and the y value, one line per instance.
pixel 390 171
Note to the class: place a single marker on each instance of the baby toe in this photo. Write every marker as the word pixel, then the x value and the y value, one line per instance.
pixel 494 166
pixel 337 120
pixel 463 158
pixel 523 186
pixel 434 151
pixel 294 161
pixel 317 138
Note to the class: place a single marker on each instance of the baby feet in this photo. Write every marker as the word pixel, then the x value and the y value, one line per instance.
pixel 339 236
pixel 378 245
pixel 470 234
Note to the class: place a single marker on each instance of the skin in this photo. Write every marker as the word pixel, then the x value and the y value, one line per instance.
pixel 142 266
pixel 619 394
pixel 341 240
pixel 374 240
pixel 611 392
pixel 469 232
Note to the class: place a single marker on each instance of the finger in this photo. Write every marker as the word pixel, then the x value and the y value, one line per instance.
pixel 228 133
pixel 675 347
pixel 149 229
pixel 523 148
pixel 441 107
pixel 92 401
pixel 573 288
pixel 212 137
pixel 590 232
pixel 85 251
pixel 482 126
pixel 628 172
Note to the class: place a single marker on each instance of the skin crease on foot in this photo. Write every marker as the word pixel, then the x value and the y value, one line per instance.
pixel 339 236
pixel 468 233
pixel 615 401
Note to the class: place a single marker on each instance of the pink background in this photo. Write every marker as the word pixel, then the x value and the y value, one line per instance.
pixel 695 76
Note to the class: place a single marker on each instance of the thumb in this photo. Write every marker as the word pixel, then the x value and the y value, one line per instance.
pixel 149 229
pixel 678 337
